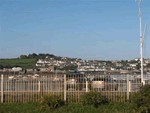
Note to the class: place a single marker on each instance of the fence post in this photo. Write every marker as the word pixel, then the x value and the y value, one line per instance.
pixel 130 86
pixel 64 87
pixel 2 93
pixel 39 86
pixel 86 86
pixel 127 87
pixel 143 83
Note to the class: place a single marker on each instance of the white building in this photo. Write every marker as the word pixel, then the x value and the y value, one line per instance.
pixel 16 69
pixel 113 69
pixel 38 64
pixel 133 65
pixel 136 59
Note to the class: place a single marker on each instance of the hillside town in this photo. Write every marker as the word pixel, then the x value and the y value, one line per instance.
pixel 63 64
pixel 93 65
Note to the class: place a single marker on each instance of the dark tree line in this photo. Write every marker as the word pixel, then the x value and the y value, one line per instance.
pixel 1 66
pixel 43 56
pixel 39 56
pixel 8 66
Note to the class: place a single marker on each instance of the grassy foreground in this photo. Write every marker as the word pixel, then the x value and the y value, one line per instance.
pixel 31 107
pixel 20 62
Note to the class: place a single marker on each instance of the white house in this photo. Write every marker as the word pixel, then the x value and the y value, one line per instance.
pixel 16 69
pixel 147 60
pixel 81 69
pixel 112 69
pixel 38 64
pixel 136 59
pixel 133 65
pixel 40 61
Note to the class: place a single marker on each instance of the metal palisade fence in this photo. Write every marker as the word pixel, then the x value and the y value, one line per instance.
pixel 69 86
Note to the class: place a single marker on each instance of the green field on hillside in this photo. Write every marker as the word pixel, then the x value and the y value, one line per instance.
pixel 25 63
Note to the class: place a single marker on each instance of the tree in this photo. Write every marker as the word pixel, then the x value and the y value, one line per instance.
pixel 1 66
pixel 138 66
pixel 8 66
pixel 16 65
pixel 23 56
pixel 34 55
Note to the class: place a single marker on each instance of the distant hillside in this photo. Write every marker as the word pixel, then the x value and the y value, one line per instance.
pixel 42 56
pixel 24 63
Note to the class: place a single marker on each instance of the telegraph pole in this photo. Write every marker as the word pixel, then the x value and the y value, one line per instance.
pixel 141 39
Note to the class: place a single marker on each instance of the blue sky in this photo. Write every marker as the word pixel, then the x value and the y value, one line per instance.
pixel 87 29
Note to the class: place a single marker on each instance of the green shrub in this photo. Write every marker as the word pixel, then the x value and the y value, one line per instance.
pixel 29 107
pixel 140 101
pixel 93 98
pixel 121 98
pixel 69 98
pixel 119 107
pixel 51 102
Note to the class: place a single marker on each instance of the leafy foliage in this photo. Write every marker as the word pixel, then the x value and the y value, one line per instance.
pixel 107 108
pixel 40 55
pixel 34 107
pixel 138 66
pixel 141 100
pixel 29 107
pixel 23 56
pixel 1 66
pixel 93 98
pixel 51 102
pixel 69 98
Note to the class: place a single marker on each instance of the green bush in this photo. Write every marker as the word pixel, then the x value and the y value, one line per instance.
pixel 140 101
pixel 93 98
pixel 51 102
pixel 119 107
pixel 69 98
pixel 29 107
pixel 121 98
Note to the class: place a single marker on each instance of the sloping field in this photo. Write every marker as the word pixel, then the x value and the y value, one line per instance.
pixel 19 62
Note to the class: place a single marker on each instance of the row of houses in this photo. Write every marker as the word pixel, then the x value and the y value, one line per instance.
pixel 96 65
pixel 48 64
pixel 38 69
pixel 12 69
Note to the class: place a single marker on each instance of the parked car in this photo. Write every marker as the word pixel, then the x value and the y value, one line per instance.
pixel 76 81
pixel 103 83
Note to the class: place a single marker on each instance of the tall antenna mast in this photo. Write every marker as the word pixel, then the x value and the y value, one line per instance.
pixel 141 40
